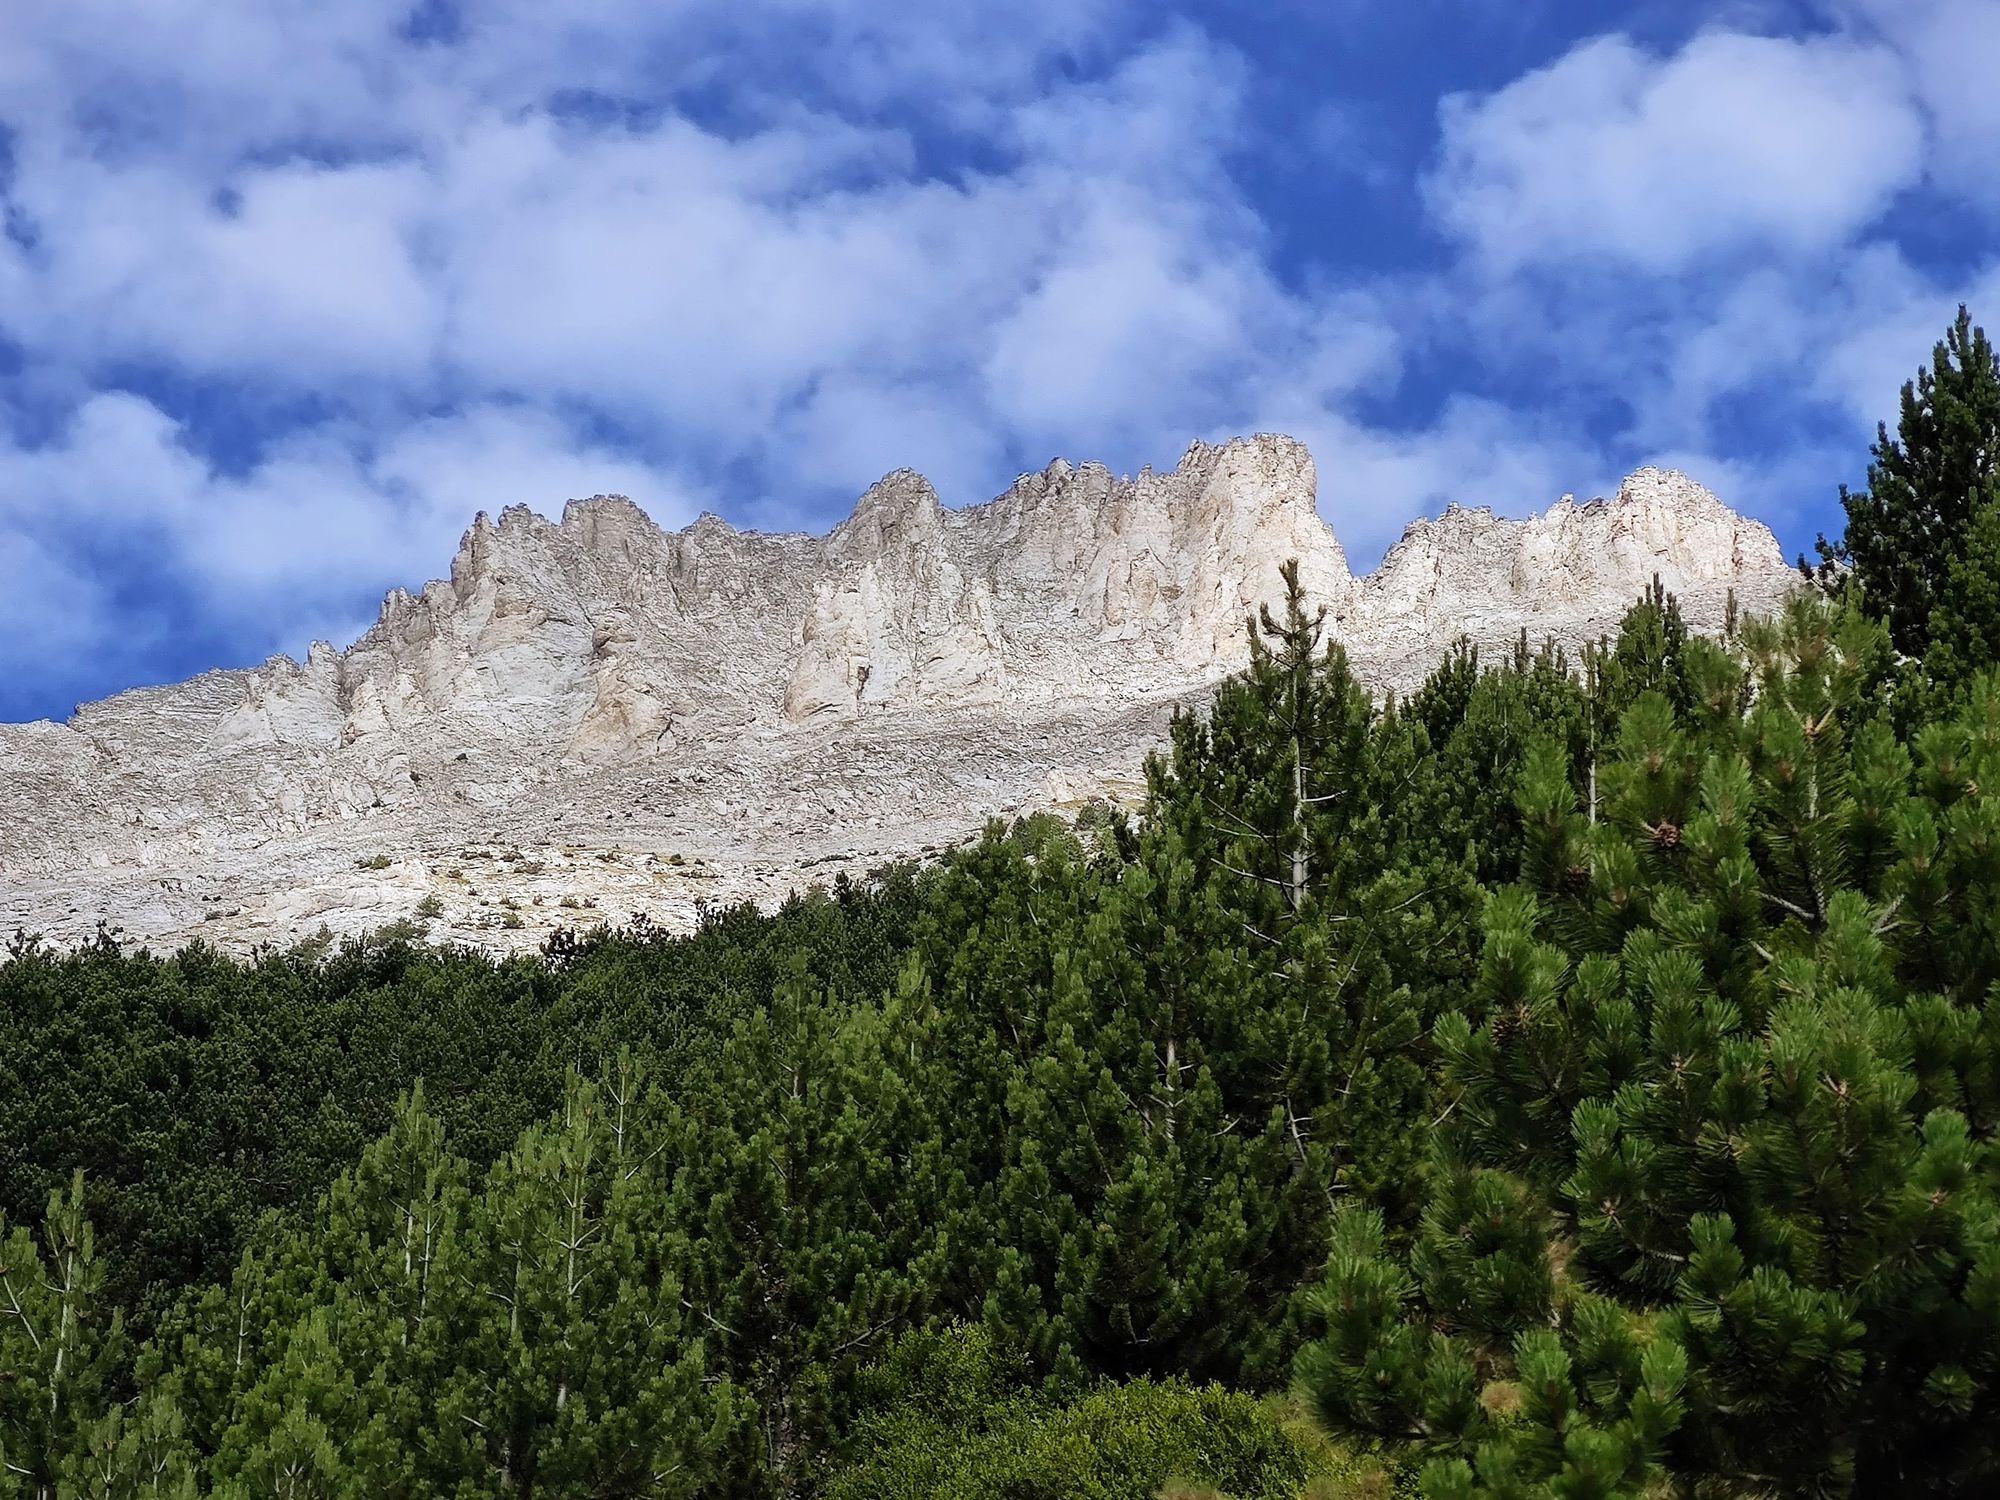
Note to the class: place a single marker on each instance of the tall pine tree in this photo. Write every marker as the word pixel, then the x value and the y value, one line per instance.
pixel 1964 624
pixel 1908 527
pixel 1715 1188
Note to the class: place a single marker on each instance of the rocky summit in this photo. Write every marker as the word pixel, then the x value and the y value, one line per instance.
pixel 595 717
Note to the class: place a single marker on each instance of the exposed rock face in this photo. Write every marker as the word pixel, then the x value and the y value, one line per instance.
pixel 1072 583
pixel 663 718
pixel 1470 570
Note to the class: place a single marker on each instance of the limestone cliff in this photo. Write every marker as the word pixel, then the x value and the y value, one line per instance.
pixel 1471 571
pixel 666 717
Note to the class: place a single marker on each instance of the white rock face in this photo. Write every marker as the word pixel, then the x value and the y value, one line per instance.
pixel 1470 570
pixel 1070 584
pixel 595 717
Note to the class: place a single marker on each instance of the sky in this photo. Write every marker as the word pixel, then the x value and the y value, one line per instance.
pixel 290 290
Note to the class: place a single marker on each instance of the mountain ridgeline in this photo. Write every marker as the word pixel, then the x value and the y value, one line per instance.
pixel 771 708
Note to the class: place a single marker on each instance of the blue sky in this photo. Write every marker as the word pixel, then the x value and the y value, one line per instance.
pixel 288 291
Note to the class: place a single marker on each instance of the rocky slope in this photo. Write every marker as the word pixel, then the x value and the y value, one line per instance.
pixel 595 717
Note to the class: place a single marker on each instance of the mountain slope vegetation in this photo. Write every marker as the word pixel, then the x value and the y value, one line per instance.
pixel 1577 1078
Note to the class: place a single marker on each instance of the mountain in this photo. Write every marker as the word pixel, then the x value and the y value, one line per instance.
pixel 595 717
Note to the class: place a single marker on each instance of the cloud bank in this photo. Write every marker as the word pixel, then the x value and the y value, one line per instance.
pixel 287 293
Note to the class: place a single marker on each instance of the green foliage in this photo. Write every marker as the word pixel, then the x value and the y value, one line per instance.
pixel 1468 729
pixel 1219 1049
pixel 418 1334
pixel 1964 624
pixel 1714 1197
pixel 807 1184
pixel 196 1093
pixel 1908 528
pixel 60 1346
pixel 961 1433
pixel 1578 1081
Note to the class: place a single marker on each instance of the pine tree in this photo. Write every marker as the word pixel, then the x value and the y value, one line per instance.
pixel 133 1452
pixel 1907 528
pixel 1160 1219
pixel 1964 625
pixel 1226 1053
pixel 1715 1181
pixel 1265 784
pixel 814 1210
pixel 59 1346
pixel 1463 808
pixel 415 1337
pixel 1649 656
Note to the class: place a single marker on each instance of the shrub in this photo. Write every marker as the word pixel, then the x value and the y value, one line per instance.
pixel 959 1432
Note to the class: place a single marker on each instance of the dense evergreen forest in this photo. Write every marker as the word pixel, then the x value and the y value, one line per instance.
pixel 1577 1079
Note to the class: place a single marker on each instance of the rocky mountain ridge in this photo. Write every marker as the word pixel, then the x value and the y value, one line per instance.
pixel 647 720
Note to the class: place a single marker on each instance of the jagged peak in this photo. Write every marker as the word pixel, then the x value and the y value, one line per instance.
pixel 1659 518
pixel 1059 476
pixel 899 497
pixel 702 677
pixel 902 509
pixel 579 511
pixel 897 505
pixel 1247 497
pixel 898 488
pixel 1200 458
pixel 1653 485
pixel 1656 473
pixel 1647 486
pixel 1201 451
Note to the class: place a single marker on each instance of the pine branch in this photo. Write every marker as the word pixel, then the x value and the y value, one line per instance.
pixel 867 1336
pixel 1271 880
pixel 1793 907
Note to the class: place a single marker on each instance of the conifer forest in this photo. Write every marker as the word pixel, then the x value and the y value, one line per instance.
pixel 1579 1078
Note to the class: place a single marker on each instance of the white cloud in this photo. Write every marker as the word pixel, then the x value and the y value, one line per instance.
pixel 1158 120
pixel 1771 347
pixel 796 298
pixel 1374 480
pixel 1126 330
pixel 853 428
pixel 782 248
pixel 699 283
pixel 48 607
pixel 206 78
pixel 1734 144
pixel 321 522
pixel 303 273
pixel 200 78
pixel 1881 325
pixel 1948 47
pixel 702 279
